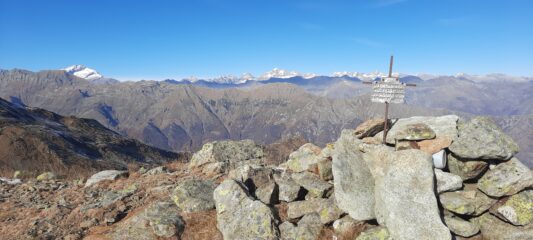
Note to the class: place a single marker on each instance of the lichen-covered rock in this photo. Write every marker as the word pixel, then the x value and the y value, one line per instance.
pixel 308 228
pixel 405 198
pixel 354 184
pixel 506 179
pixel 316 187
pixel 465 168
pixel 160 219
pixel 468 202
pixel 259 180
pixel 406 144
pixel 493 228
pixel 288 189
pixel 461 227
pixel 325 170
pixel 156 170
pixel 304 158
pixel 194 195
pixel 518 209
pixel 370 128
pixel 414 132
pixel 325 208
pixel 481 138
pixel 105 175
pixel 46 176
pixel 443 126
pixel 222 156
pixel 447 181
pixel 239 216
pixel 377 233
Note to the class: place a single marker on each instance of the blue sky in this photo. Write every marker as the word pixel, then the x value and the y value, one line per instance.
pixel 174 39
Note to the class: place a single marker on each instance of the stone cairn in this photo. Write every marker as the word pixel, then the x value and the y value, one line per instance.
pixel 436 178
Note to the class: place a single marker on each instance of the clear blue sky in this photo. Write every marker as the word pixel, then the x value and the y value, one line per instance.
pixel 172 39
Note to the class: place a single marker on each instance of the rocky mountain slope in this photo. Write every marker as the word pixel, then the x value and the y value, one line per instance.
pixel 355 188
pixel 34 140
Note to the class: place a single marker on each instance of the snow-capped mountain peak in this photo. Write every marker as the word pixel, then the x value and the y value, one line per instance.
pixel 83 72
pixel 363 76
pixel 282 73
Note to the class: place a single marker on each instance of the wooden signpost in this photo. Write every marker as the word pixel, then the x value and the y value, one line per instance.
pixel 388 90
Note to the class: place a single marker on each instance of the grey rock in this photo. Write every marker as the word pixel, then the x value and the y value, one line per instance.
pixel 259 180
pixel 461 227
pixel 518 209
pixel 304 158
pixel 468 202
pixel 481 138
pixel 308 228
pixel 315 186
pixel 370 128
pixel 465 168
pixel 240 216
pixel 105 175
pixel 46 176
pixel 325 208
pixel 493 228
pixel 156 170
pixel 443 126
pixel 222 156
pixel 405 198
pixel 194 195
pixel 376 233
pixel 414 132
pixel 447 181
pixel 354 185
pixel 325 170
pixel 506 179
pixel 160 219
pixel 288 189
pixel 13 181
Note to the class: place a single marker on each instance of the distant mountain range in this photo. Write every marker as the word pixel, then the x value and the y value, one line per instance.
pixel 35 140
pixel 180 115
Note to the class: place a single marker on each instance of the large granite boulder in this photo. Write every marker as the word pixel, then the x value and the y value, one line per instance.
pixel 518 209
pixel 506 179
pixel 325 208
pixel 303 159
pixel 239 216
pixel 481 138
pixel 222 156
pixel 443 126
pixel 194 195
pixel 493 228
pixel 465 168
pixel 158 220
pixel 354 184
pixel 405 198
pixel 308 228
pixel 105 175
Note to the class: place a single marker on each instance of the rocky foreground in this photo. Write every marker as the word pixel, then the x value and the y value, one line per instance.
pixel 355 188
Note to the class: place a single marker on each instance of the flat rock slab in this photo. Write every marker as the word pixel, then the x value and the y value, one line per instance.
pixel 506 179
pixel 468 202
pixel 308 228
pixel 316 187
pixel 194 195
pixel 405 198
pixel 105 175
pixel 461 227
pixel 354 184
pixel 304 158
pixel 370 128
pixel 443 126
pixel 325 208
pixel 481 138
pixel 493 228
pixel 239 216
pixel 414 132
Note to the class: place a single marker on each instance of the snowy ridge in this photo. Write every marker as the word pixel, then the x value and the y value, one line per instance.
pixel 83 72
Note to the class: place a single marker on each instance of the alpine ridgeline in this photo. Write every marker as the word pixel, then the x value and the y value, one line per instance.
pixel 436 178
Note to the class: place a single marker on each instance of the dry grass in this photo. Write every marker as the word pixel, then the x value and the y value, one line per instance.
pixel 200 226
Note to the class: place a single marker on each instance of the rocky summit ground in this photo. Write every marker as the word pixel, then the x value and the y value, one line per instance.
pixel 354 188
